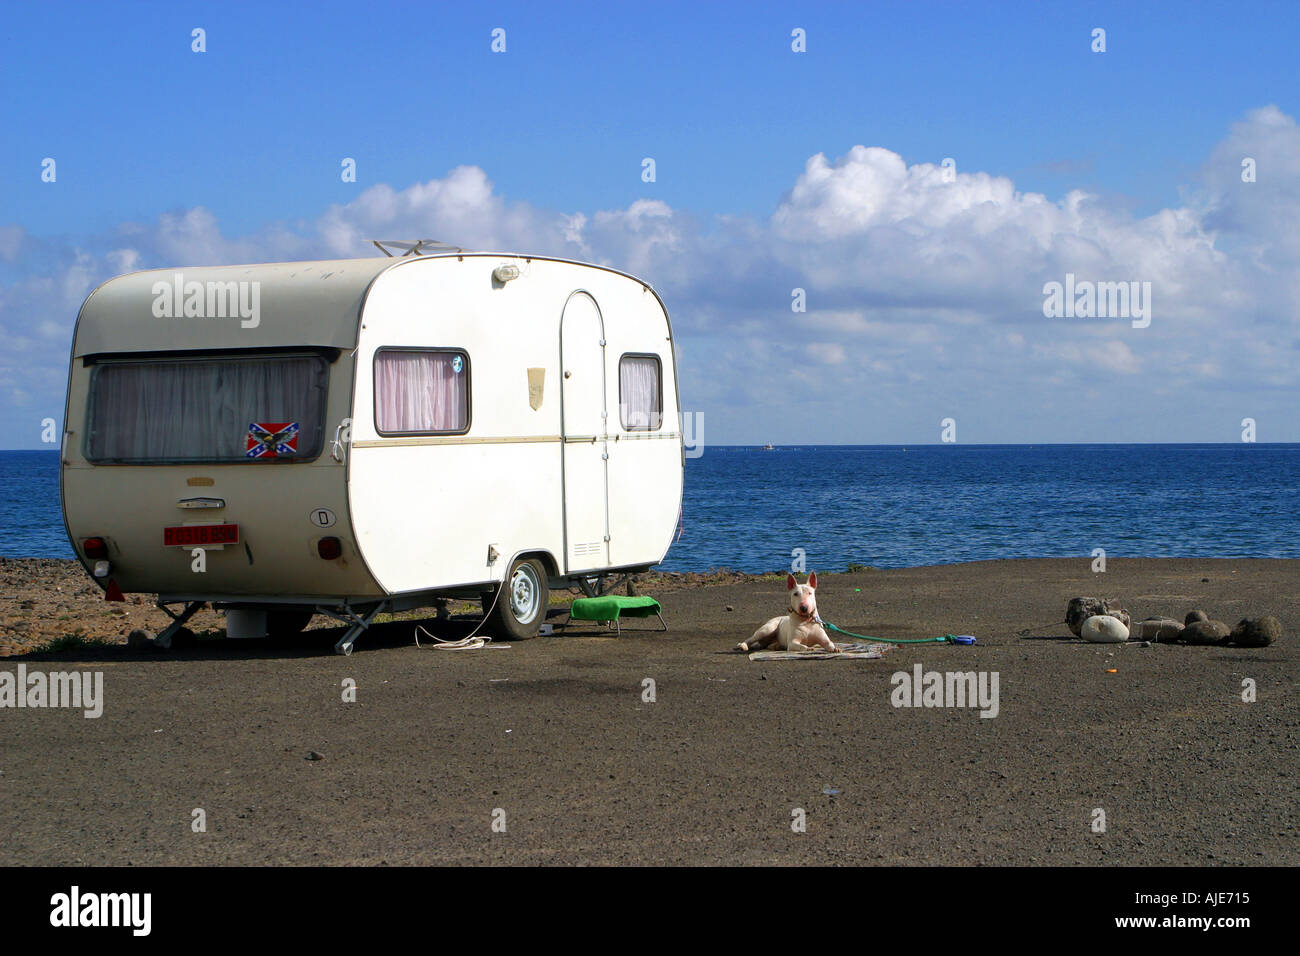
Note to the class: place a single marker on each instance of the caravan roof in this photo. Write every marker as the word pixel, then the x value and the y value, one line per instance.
pixel 309 303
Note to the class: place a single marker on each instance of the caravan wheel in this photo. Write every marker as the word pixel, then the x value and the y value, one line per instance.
pixel 521 608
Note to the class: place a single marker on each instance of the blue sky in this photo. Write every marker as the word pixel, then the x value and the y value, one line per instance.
pixel 169 157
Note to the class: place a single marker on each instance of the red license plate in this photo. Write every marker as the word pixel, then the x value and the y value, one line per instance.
pixel 194 535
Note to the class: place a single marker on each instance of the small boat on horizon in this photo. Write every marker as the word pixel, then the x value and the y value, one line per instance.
pixel 768 447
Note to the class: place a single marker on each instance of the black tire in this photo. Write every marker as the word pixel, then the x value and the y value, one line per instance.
pixel 286 623
pixel 521 609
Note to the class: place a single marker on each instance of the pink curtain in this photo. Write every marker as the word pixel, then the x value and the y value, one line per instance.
pixel 421 391
pixel 640 404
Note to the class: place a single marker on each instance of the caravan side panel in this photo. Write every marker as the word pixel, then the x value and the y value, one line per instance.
pixel 427 507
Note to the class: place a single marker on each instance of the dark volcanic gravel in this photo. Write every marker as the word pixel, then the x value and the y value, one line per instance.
pixel 553 737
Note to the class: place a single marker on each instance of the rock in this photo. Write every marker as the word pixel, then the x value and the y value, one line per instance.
pixel 138 640
pixel 1205 632
pixel 1104 629
pixel 313 755
pixel 1082 608
pixel 730 608
pixel 1162 629
pixel 1260 632
pixel 1194 616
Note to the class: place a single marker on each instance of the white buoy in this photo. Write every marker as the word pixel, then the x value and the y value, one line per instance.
pixel 1104 629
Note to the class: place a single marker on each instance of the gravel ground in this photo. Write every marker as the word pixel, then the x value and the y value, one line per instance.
pixel 556 738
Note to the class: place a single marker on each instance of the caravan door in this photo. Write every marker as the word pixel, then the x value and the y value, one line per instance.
pixel 583 418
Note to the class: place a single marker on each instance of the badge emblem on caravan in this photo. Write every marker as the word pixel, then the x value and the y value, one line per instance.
pixel 536 387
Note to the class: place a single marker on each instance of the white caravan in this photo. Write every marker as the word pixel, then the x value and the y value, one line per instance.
pixel 352 436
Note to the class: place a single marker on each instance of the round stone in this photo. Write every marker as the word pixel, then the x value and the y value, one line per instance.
pixel 1205 632
pixel 1260 632
pixel 1104 629
pixel 1164 630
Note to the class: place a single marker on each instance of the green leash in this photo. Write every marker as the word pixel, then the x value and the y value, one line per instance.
pixel 946 639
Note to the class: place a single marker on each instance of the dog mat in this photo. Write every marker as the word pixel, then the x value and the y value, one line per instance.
pixel 849 652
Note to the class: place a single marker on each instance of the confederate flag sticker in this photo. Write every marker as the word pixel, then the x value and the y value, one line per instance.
pixel 272 439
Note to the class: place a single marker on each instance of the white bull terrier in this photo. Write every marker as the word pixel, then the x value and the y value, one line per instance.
pixel 800 630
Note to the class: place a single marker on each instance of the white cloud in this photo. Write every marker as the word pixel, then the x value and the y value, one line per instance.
pixel 827 353
pixel 869 223
pixel 1091 362
pixel 11 240
pixel 461 208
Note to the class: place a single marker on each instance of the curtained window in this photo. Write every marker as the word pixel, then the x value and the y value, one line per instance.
pixel 421 391
pixel 184 410
pixel 640 397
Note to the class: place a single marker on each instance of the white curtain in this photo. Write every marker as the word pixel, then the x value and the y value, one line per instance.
pixel 640 404
pixel 201 410
pixel 421 391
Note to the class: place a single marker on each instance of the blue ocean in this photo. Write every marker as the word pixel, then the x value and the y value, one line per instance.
pixel 888 506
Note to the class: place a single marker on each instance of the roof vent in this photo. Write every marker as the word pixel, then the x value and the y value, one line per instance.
pixel 413 247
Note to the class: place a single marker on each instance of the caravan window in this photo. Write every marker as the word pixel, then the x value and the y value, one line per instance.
pixel 421 391
pixel 217 408
pixel 640 395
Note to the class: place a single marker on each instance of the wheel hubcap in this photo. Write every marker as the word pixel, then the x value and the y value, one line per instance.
pixel 524 594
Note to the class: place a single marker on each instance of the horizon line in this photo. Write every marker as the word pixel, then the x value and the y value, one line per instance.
pixel 921 444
